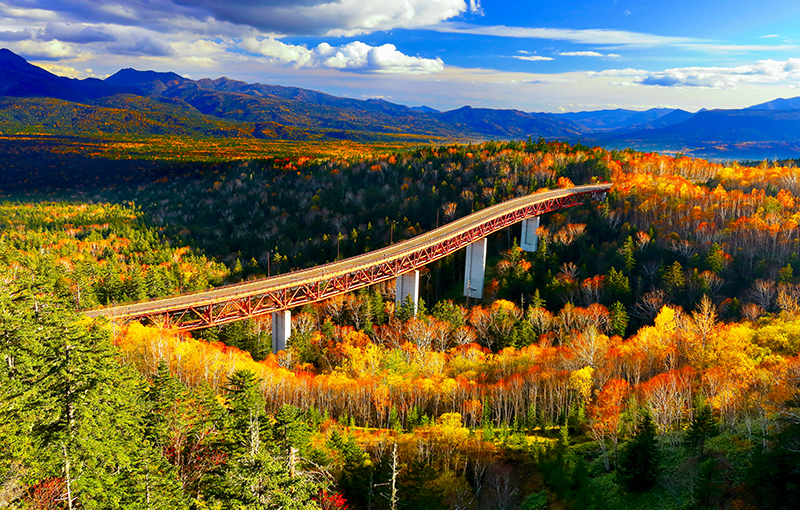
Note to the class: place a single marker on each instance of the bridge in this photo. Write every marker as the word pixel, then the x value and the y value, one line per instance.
pixel 278 294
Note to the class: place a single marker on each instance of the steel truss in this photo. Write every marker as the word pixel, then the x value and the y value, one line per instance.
pixel 205 310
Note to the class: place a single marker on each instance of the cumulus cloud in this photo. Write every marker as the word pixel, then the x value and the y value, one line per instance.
pixel 355 56
pixel 150 46
pixel 19 35
pixel 763 71
pixel 286 17
pixel 75 33
pixel 67 71
pixel 343 17
pixel 48 50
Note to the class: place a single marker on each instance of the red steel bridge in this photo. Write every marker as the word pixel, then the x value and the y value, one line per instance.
pixel 230 303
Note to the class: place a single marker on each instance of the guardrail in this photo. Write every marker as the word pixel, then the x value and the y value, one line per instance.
pixel 229 303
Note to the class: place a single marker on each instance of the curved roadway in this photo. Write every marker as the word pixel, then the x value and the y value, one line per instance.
pixel 333 269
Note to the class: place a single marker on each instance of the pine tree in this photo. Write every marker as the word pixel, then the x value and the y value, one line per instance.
pixel 84 411
pixel 638 467
pixel 703 427
pixel 618 317
pixel 715 259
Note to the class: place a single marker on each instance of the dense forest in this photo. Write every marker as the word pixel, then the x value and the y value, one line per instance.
pixel 646 356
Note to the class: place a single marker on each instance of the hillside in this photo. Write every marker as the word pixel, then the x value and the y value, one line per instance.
pixel 727 126
pixel 271 111
pixel 149 103
pixel 611 120
pixel 662 320
pixel 311 110
pixel 21 79
pixel 112 115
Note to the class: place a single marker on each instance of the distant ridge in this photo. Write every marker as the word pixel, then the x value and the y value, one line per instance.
pixel 148 82
pixel 425 109
pixel 21 79
pixel 727 126
pixel 612 120
pixel 144 103
pixel 778 104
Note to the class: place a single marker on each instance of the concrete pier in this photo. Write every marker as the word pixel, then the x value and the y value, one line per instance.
pixel 281 330
pixel 475 269
pixel 530 241
pixel 407 285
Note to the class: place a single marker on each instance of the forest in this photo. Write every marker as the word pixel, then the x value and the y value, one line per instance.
pixel 646 356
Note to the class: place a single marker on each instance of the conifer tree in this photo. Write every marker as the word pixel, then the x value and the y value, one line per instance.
pixel 638 466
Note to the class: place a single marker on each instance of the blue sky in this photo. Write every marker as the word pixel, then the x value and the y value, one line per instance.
pixel 533 56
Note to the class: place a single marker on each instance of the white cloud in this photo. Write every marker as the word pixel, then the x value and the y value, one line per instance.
pixel 49 50
pixel 354 56
pixel 606 38
pixel 587 54
pixel 763 71
pixel 67 71
pixel 119 10
pixel 533 58
pixel 27 13
pixel 332 18
pixel 728 48
pixel 279 17
pixel 590 36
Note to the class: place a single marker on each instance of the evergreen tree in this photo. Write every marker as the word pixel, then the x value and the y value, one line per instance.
pixel 618 318
pixel 83 411
pixel 618 285
pixel 245 413
pixel 703 426
pixel 638 466
pixel 715 259
pixel 626 254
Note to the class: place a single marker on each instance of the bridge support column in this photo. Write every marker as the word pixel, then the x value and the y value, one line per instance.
pixel 529 241
pixel 475 269
pixel 407 285
pixel 281 330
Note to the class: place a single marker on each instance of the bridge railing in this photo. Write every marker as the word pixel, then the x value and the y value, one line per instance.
pixel 343 267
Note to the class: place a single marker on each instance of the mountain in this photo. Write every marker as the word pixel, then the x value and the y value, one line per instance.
pixel 509 123
pixel 672 118
pixel 114 115
pixel 726 126
pixel 320 112
pixel 424 109
pixel 778 104
pixel 146 103
pixel 148 82
pixel 21 79
pixel 612 120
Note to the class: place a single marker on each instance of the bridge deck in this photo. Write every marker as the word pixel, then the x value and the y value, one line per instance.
pixel 232 302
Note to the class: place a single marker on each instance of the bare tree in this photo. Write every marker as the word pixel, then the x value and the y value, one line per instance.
pixel 752 312
pixel 464 335
pixel 357 309
pixel 762 292
pixel 647 307
pixel 650 269
pixel 502 486
pixel 684 247
pixel 334 307
pixel 712 281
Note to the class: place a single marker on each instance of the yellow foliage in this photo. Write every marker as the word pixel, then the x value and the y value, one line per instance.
pixel 581 381
pixel 665 321
pixel 450 420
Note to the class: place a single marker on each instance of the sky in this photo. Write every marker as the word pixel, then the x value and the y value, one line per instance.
pixel 535 56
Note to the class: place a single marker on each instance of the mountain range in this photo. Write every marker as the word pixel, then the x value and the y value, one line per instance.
pixel 143 103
